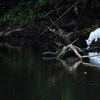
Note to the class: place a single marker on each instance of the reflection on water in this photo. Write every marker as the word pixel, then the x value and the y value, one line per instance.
pixel 94 60
pixel 24 75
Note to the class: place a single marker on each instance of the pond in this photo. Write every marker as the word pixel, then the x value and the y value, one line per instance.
pixel 25 75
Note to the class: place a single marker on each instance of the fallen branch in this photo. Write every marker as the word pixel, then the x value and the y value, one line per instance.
pixel 7 32
pixel 13 30
pixel 65 49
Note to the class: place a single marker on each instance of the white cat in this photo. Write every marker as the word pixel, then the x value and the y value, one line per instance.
pixel 94 35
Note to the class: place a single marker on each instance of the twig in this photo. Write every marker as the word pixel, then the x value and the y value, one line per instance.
pixel 75 40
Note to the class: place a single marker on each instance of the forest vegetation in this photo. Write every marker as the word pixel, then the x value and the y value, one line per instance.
pixel 38 18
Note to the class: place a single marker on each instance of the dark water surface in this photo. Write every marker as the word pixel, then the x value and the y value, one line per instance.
pixel 24 75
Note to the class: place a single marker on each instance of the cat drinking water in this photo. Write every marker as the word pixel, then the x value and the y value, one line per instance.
pixel 94 35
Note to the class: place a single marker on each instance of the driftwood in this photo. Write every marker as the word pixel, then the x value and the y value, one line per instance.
pixel 73 48
pixel 65 49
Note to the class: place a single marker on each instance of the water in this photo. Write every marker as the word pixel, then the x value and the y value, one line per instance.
pixel 25 75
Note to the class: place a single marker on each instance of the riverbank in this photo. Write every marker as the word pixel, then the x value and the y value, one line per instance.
pixel 78 22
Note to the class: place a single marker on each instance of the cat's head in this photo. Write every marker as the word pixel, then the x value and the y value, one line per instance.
pixel 88 41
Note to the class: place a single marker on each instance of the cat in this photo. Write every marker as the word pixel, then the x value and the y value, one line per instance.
pixel 94 35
